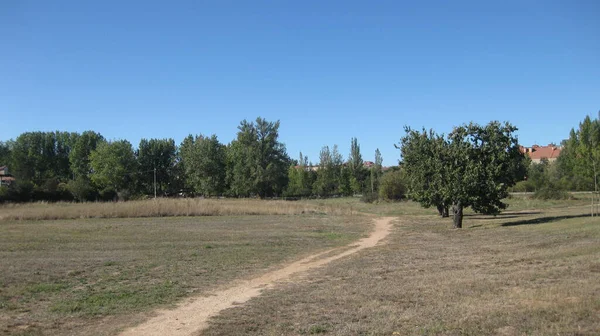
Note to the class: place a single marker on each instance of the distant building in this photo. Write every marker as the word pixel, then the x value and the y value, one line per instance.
pixel 5 177
pixel 536 152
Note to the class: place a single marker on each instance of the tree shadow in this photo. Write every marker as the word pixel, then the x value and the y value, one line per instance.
pixel 543 220
pixel 503 215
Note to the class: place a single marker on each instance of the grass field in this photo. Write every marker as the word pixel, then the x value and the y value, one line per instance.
pixel 530 273
pixel 532 270
pixel 163 207
pixel 94 276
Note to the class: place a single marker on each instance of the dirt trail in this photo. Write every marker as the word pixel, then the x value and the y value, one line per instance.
pixel 192 316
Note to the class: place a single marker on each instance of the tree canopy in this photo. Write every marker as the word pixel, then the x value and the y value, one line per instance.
pixel 472 167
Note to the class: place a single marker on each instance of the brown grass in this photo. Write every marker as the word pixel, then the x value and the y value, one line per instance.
pixel 163 207
pixel 96 276
pixel 525 273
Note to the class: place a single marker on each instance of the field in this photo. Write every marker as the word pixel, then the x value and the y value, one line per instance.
pixel 94 276
pixel 529 272
pixel 532 270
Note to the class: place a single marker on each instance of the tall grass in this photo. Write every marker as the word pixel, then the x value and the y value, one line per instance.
pixel 162 207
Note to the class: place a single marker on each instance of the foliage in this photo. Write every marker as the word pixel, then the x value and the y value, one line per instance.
pixel 5 152
pixel 258 161
pixel 82 190
pixel 392 186
pixel 329 173
pixel 79 157
pixel 376 171
pixel 156 155
pixel 579 162
pixel 300 179
pixel 473 167
pixel 551 192
pixel 204 164
pixel 358 173
pixel 113 165
pixel 39 156
pixel 369 197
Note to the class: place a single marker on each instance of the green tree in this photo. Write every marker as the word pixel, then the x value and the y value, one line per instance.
pixel 358 173
pixel 580 158
pixel 156 156
pixel 299 178
pixel 114 166
pixel 41 156
pixel 5 153
pixel 79 157
pixel 476 164
pixel 258 162
pixel 423 157
pixel 204 164
pixel 329 173
pixel 376 171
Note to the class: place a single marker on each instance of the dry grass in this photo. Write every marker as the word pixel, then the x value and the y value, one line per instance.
pixel 95 276
pixel 527 273
pixel 163 207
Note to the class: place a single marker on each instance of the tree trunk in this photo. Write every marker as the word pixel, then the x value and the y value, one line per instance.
pixel 457 211
pixel 443 210
pixel 440 209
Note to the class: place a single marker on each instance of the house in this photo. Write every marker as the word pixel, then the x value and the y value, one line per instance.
pixel 536 152
pixel 5 177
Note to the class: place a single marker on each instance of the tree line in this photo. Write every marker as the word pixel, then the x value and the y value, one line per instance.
pixel 64 166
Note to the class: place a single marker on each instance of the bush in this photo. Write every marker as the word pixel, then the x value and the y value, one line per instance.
pixel 392 186
pixel 551 192
pixel 108 195
pixel 523 186
pixel 82 190
pixel 369 197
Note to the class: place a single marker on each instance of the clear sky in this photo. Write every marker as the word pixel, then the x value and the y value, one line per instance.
pixel 328 70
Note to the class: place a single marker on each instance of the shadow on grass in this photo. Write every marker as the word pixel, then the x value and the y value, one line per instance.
pixel 503 215
pixel 542 220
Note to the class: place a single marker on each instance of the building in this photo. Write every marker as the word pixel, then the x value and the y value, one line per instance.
pixel 536 152
pixel 5 177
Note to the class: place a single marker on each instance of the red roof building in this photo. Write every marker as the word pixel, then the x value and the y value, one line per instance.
pixel 536 153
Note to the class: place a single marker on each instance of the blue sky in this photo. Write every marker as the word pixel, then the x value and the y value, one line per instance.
pixel 328 70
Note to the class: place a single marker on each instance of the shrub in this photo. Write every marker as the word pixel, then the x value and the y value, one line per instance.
pixel 369 197
pixel 392 186
pixel 551 192
pixel 82 190
pixel 523 186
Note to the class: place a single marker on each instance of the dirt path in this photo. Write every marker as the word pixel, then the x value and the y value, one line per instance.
pixel 192 316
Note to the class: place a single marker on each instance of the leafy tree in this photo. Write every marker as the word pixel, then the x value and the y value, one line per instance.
pixel 473 167
pixel 159 155
pixel 580 158
pixel 299 177
pixel 358 173
pixel 329 173
pixel 114 166
pixel 424 155
pixel 204 164
pixel 79 157
pixel 257 160
pixel 376 171
pixel 5 152
pixel 39 156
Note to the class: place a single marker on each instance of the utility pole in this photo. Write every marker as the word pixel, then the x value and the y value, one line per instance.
pixel 154 182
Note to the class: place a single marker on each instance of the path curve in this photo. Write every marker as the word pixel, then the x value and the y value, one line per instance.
pixel 192 316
